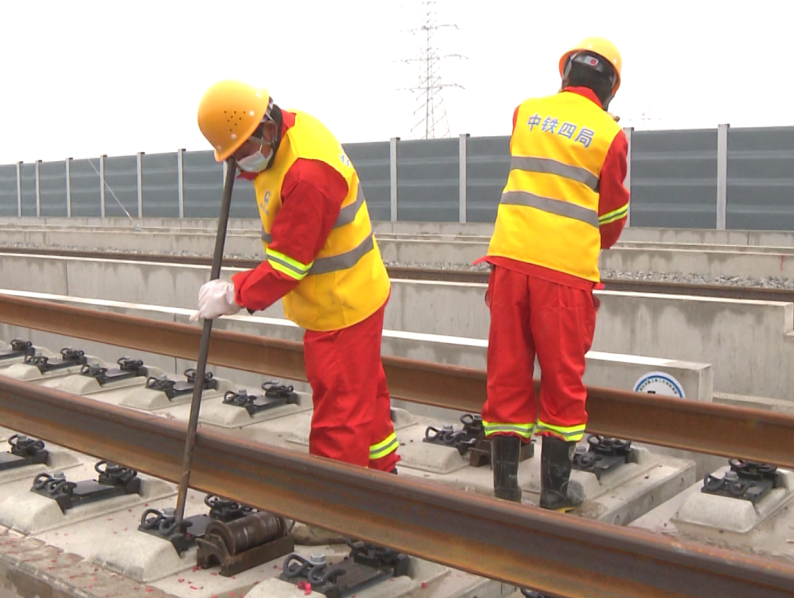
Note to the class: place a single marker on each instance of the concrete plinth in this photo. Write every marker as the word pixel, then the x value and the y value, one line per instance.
pixel 31 513
pixel 425 456
pixel 301 427
pixel 231 416
pixel 763 529
pixel 289 432
pixel 58 460
pixel 275 588
pixel 87 385
pixel 620 496
pixel 31 373
pixel 729 514
pixel 147 399
pixel 143 557
pixel 424 580
pixel 112 541
pixel 7 362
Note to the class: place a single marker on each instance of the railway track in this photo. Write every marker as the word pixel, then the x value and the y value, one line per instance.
pixel 443 275
pixel 562 555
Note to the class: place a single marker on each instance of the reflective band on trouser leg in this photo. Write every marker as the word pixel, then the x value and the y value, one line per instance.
pixel 383 448
pixel 523 430
pixel 613 215
pixel 569 433
pixel 287 265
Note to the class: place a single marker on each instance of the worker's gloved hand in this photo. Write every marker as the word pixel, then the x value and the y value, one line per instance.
pixel 216 298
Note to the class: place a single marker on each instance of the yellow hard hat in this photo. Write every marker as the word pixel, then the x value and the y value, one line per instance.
pixel 228 113
pixel 597 45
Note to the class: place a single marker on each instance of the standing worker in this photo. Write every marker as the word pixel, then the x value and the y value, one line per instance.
pixel 321 258
pixel 564 201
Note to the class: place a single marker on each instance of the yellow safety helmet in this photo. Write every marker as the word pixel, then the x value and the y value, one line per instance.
pixel 229 112
pixel 597 45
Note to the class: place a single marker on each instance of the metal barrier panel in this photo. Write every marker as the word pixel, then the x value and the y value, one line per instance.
pixel 29 190
pixel 203 180
pixel 203 187
pixel 427 180
pixel 371 161
pixel 8 190
pixel 674 178
pixel 243 201
pixel 85 188
pixel 52 188
pixel 160 186
pixel 487 167
pixel 761 178
pixel 675 181
pixel 121 178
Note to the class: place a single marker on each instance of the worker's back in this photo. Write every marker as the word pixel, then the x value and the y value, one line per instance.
pixel 548 214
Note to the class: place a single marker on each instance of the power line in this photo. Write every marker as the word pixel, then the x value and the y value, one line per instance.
pixel 430 113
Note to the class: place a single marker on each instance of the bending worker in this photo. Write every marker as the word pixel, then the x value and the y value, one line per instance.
pixel 321 258
pixel 564 201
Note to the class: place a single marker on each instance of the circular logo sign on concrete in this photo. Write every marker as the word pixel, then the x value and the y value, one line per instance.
pixel 660 383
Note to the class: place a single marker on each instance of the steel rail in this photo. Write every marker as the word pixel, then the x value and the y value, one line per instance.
pixel 750 434
pixel 442 275
pixel 559 554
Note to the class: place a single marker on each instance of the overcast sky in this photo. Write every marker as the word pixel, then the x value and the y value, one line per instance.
pixel 83 78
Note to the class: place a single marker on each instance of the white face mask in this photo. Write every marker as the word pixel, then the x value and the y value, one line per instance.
pixel 256 162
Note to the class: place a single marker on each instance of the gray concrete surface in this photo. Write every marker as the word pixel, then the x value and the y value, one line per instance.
pixel 723 332
pixel 700 261
pixel 750 344
pixel 638 234
pixel 705 260
pixel 764 528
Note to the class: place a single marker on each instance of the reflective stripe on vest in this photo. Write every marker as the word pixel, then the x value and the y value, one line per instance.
pixel 343 261
pixel 346 215
pixel 552 206
pixel 549 166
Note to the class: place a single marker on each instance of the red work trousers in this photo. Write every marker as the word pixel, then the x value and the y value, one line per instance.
pixel 531 316
pixel 352 406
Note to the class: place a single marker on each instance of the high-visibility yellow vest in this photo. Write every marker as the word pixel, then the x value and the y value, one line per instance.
pixel 548 213
pixel 347 281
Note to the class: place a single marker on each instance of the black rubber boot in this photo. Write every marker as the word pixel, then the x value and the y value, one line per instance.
pixel 557 491
pixel 504 461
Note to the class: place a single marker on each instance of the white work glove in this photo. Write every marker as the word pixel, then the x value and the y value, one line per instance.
pixel 216 298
